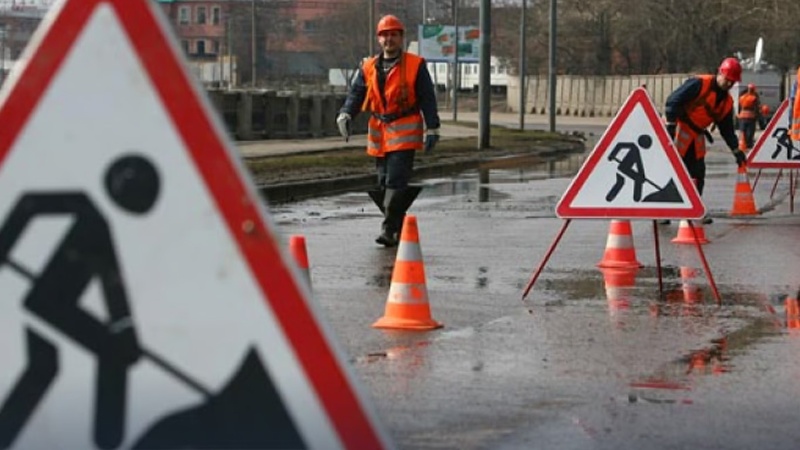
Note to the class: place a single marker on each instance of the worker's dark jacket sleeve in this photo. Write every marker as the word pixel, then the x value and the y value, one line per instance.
pixel 355 98
pixel 426 96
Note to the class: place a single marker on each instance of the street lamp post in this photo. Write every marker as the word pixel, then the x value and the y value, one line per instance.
pixel 253 42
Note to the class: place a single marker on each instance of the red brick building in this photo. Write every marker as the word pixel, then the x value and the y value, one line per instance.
pixel 286 35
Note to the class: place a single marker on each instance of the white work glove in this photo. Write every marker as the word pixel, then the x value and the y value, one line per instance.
pixel 431 138
pixel 343 122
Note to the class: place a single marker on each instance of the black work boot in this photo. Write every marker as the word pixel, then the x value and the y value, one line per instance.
pixel 392 218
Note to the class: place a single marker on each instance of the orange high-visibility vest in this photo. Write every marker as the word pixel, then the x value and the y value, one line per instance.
pixel 748 103
pixel 701 112
pixel 396 124
pixel 795 130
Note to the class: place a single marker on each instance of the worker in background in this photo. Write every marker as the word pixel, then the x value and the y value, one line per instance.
pixel 698 103
pixel 794 109
pixel 762 118
pixel 749 111
pixel 396 89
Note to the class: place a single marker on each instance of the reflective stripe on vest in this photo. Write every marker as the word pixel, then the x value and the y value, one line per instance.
pixel 685 136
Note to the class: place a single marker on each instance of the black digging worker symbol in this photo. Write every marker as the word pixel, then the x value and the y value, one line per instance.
pixel 781 135
pixel 234 417
pixel 632 167
pixel 85 253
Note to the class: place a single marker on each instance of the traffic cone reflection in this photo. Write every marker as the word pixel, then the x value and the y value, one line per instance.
pixel 619 285
pixel 407 305
pixel 620 253
pixel 743 202
pixel 685 235
pixel 297 247
pixel 792 314
pixel 691 292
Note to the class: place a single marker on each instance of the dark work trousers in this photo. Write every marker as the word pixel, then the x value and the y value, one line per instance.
pixel 748 129
pixel 696 168
pixel 395 169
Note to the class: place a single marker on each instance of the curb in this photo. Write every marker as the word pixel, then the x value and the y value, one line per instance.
pixel 302 190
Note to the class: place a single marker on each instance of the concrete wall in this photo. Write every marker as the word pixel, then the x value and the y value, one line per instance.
pixel 250 115
pixel 593 96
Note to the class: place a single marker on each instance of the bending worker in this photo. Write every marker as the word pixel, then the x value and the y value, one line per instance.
pixel 699 102
pixel 396 89
pixel 749 110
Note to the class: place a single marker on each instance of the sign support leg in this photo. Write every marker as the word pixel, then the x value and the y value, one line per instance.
pixel 546 257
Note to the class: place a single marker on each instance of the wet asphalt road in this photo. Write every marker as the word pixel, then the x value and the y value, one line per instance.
pixel 591 359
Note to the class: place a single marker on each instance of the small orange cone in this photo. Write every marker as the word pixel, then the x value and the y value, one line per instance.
pixel 792 314
pixel 620 253
pixel 743 202
pixel 407 306
pixel 297 246
pixel 685 235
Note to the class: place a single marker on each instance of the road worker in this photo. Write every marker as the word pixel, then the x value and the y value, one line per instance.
pixel 395 87
pixel 702 101
pixel 749 111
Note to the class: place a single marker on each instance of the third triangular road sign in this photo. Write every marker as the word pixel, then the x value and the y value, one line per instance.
pixel 774 148
pixel 634 171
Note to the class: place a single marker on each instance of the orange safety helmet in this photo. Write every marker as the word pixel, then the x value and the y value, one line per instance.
pixel 751 87
pixel 731 68
pixel 390 23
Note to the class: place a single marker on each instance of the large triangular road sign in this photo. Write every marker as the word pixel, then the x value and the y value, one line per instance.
pixel 145 300
pixel 634 171
pixel 774 148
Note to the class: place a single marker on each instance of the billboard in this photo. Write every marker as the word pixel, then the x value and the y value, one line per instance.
pixel 437 43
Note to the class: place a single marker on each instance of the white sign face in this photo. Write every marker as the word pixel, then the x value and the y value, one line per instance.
pixel 145 302
pixel 633 172
pixel 774 148
pixel 437 43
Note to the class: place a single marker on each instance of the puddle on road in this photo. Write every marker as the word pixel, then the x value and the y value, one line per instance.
pixel 463 186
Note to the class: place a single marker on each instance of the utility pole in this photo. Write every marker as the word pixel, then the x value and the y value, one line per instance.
pixel 522 84
pixel 371 8
pixel 484 85
pixel 551 82
pixel 253 43
pixel 456 80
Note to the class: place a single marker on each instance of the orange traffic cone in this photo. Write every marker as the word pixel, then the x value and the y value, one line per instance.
pixel 297 247
pixel 743 202
pixel 620 253
pixel 407 306
pixel 685 235
pixel 792 314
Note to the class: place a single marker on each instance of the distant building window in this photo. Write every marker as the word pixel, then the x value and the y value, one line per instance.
pixel 215 46
pixel 311 26
pixel 215 18
pixel 201 15
pixel 185 46
pixel 201 48
pixel 183 15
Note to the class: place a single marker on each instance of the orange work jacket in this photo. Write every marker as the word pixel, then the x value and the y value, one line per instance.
pixel 748 104
pixel 795 130
pixel 396 124
pixel 701 112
